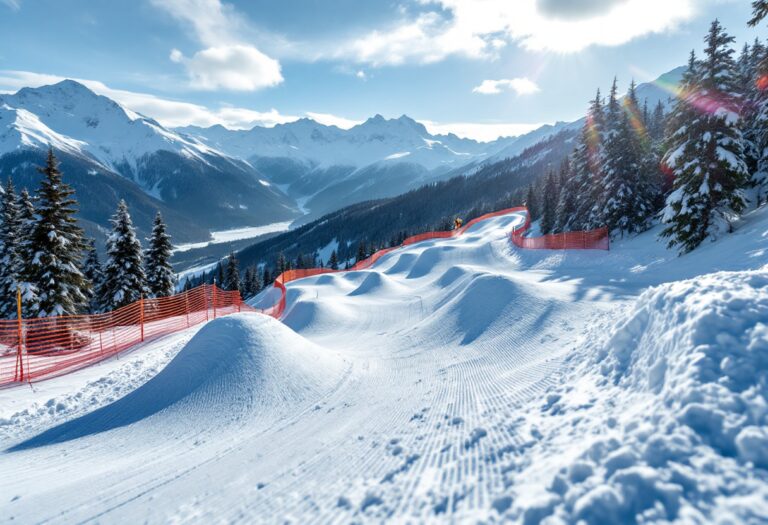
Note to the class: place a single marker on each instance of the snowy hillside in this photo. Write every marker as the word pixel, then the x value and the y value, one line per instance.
pixel 326 168
pixel 458 380
pixel 101 128
pixel 375 140
pixel 97 137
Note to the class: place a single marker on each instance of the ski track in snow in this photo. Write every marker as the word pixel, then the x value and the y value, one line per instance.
pixel 448 383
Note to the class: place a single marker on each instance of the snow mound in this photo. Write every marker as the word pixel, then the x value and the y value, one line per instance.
pixel 376 282
pixel 684 437
pixel 471 311
pixel 234 369
pixel 702 346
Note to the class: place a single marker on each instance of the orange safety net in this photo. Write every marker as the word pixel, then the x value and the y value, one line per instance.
pixel 40 348
pixel 579 240
pixel 34 349
pixel 595 239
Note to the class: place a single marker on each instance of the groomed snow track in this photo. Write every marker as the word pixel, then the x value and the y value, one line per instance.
pixel 406 417
pixel 458 380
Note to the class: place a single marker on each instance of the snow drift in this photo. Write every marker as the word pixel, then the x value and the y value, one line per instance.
pixel 234 368
pixel 686 436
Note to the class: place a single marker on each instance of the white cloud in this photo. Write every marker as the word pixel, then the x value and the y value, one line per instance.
pixel 170 113
pixel 333 120
pixel 235 67
pixel 228 61
pixel 174 113
pixel 14 5
pixel 479 28
pixel 479 131
pixel 521 86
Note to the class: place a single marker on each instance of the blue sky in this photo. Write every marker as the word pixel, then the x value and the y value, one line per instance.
pixel 480 68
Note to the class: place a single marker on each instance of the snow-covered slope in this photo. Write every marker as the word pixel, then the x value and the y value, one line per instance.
pixel 375 140
pixel 456 381
pixel 102 128
pixel 98 137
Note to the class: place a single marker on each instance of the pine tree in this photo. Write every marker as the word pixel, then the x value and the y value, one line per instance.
pixel 56 247
pixel 532 203
pixel 220 275
pixel 161 279
pixel 11 263
pixel 333 262
pixel 583 187
pixel 755 125
pixel 27 219
pixel 282 265
pixel 549 204
pixel 124 278
pixel 187 285
pixel 361 252
pixel 94 273
pixel 232 274
pixel 629 186
pixel 705 149
pixel 566 202
pixel 759 12
pixel 251 283
pixel 656 127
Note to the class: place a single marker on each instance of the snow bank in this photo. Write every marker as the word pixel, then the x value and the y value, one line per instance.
pixel 253 359
pixel 684 437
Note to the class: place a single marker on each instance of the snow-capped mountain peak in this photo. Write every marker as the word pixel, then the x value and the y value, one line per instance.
pixel 106 131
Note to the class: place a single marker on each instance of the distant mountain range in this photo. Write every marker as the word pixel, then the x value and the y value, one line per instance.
pixel 206 179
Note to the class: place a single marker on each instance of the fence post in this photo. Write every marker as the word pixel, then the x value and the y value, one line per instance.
pixel 141 315
pixel 20 351
pixel 186 305
pixel 205 300
pixel 213 293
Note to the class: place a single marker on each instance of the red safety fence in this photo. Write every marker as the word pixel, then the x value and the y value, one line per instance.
pixel 580 240
pixel 595 239
pixel 292 275
pixel 40 348
pixel 44 347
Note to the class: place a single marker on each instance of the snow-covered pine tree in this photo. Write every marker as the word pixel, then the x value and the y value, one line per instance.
pixel 187 285
pixel 94 273
pixel 566 201
pixel 584 183
pixel 629 182
pixel 11 263
pixel 549 204
pixel 619 162
pixel 746 70
pixel 124 278
pixel 658 121
pixel 532 203
pixel 28 218
pixel 333 262
pixel 161 279
pixel 705 148
pixel 56 247
pixel 759 11
pixel 755 119
pixel 232 274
